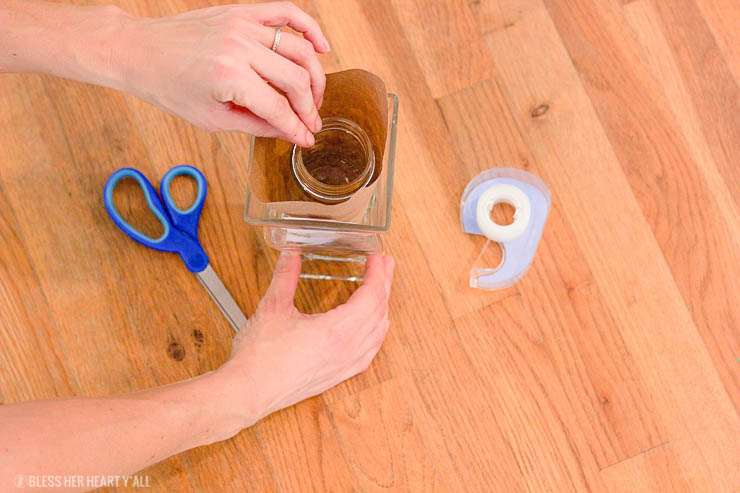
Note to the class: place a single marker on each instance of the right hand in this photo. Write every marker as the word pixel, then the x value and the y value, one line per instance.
pixel 215 68
pixel 282 356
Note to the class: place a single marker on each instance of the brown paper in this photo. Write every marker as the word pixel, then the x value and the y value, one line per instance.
pixel 354 94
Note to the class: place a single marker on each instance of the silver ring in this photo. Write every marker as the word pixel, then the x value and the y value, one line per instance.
pixel 277 39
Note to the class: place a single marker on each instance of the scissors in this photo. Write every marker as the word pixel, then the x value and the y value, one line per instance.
pixel 180 231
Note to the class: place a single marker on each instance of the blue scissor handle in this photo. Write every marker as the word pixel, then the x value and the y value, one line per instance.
pixel 172 239
pixel 186 220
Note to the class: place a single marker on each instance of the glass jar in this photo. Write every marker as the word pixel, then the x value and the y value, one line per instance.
pixel 340 162
pixel 329 241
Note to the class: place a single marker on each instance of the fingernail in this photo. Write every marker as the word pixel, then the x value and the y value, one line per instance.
pixel 309 138
pixel 326 46
pixel 317 124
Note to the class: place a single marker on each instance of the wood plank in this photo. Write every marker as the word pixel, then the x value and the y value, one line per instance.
pixel 304 449
pixel 592 362
pixel 691 230
pixel 32 363
pixel 388 451
pixel 40 153
pixel 429 363
pixel 708 81
pixel 618 244
pixel 645 22
pixel 503 343
pixel 723 17
pixel 492 15
pixel 444 41
pixel 654 470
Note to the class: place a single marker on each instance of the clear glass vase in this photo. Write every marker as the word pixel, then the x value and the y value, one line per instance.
pixel 333 248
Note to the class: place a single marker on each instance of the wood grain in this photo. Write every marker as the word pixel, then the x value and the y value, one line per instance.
pixel 655 470
pixel 645 22
pixel 723 17
pixel 709 83
pixel 376 428
pixel 492 15
pixel 443 40
pixel 525 396
pixel 610 367
pixel 638 287
pixel 36 366
pixel 690 229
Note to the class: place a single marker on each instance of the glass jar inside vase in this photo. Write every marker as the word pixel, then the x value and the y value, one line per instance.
pixel 340 163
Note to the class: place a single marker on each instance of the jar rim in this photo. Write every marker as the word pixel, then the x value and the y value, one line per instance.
pixel 335 193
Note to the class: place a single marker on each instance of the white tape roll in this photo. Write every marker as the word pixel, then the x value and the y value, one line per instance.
pixel 508 194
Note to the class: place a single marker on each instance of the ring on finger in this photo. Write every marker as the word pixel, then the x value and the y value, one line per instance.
pixel 276 41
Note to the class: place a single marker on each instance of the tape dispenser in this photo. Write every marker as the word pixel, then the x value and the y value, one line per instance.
pixel 530 198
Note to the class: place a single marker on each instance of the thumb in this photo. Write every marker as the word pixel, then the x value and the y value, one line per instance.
pixel 284 281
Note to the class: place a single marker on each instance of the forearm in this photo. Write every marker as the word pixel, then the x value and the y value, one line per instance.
pixel 63 40
pixel 116 435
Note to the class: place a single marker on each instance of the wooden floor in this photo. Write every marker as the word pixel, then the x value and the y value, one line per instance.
pixel 611 367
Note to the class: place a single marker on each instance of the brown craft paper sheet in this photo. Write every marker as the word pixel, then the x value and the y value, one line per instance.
pixel 356 95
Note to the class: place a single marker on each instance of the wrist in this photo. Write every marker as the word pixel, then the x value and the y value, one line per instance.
pixel 216 397
pixel 96 46
pixel 243 396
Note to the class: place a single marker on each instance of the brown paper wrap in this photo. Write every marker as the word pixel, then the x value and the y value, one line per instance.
pixel 354 94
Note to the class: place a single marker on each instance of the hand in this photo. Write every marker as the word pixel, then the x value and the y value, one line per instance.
pixel 215 68
pixel 281 356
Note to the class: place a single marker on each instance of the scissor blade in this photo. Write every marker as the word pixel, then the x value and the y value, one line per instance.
pixel 221 296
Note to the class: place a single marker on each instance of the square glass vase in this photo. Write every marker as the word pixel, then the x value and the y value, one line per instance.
pixel 331 249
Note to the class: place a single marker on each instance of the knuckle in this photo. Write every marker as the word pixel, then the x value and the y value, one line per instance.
pixel 110 10
pixel 379 296
pixel 304 49
pixel 223 67
pixel 282 270
pixel 267 304
pixel 302 80
pixel 288 6
pixel 280 107
pixel 321 79
pixel 297 127
pixel 233 32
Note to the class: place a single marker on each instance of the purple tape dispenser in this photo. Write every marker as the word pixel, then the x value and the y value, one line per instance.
pixel 529 197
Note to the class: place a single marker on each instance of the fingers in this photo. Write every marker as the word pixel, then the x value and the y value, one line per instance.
pixel 390 267
pixel 230 116
pixel 278 14
pixel 302 53
pixel 291 78
pixel 281 292
pixel 368 352
pixel 359 326
pixel 255 94
pixel 371 299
